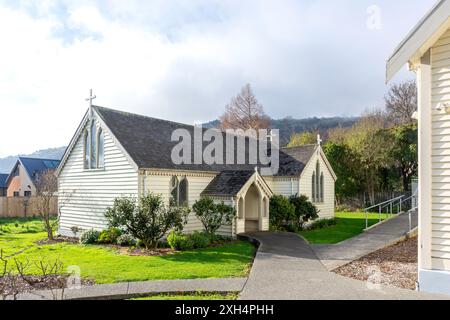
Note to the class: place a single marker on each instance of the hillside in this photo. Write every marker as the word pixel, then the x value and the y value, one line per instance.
pixel 7 163
pixel 289 126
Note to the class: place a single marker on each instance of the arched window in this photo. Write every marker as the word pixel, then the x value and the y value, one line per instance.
pixel 183 193
pixel 317 185
pixel 101 149
pixel 318 181
pixel 313 187
pixel 87 150
pixel 321 187
pixel 174 195
pixel 93 145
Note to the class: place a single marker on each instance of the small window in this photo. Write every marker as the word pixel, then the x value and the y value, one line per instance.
pixel 179 193
pixel 27 194
pixel 87 150
pixel 313 187
pixel 93 146
pixel 321 187
pixel 183 193
pixel 101 149
pixel 16 194
pixel 174 196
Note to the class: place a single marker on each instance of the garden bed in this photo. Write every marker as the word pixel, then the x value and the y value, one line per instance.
pixel 24 240
pixel 397 265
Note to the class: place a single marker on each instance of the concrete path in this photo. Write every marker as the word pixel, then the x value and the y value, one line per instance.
pixel 128 290
pixel 286 268
pixel 388 233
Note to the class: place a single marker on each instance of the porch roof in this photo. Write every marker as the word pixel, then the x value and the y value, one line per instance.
pixel 228 183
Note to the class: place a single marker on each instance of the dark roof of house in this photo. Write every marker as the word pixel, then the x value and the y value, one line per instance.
pixel 294 160
pixel 35 166
pixel 3 178
pixel 227 183
pixel 148 142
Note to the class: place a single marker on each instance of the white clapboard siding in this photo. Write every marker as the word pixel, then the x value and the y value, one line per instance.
pixel 88 193
pixel 327 207
pixel 160 184
pixel 440 250
pixel 285 186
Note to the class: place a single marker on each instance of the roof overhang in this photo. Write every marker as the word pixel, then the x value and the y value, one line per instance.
pixel 420 39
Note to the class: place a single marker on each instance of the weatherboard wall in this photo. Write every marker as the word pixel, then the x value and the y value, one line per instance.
pixel 85 195
pixel 326 207
pixel 440 153
pixel 159 183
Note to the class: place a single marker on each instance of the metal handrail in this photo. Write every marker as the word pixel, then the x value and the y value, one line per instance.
pixel 382 205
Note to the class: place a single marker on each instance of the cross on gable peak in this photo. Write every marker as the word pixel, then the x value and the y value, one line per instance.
pixel 91 97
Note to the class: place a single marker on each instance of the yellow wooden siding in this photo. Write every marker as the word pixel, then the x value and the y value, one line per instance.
pixel 440 250
pixel 160 184
pixel 285 186
pixel 86 194
pixel 327 207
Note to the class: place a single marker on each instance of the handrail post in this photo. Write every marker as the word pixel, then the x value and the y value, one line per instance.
pixel 401 200
pixel 380 212
pixel 410 222
pixel 367 219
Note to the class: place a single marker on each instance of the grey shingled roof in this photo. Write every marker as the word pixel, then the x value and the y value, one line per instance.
pixel 294 160
pixel 148 142
pixel 227 183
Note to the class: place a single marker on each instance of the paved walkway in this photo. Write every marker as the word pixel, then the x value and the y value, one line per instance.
pixel 286 268
pixel 129 289
pixel 383 235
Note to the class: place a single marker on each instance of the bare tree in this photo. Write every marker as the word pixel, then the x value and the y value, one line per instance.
pixel 401 102
pixel 46 193
pixel 245 112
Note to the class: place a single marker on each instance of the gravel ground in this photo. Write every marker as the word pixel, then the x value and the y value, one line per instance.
pixel 395 266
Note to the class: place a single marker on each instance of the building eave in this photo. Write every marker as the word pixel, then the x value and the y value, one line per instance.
pixel 420 39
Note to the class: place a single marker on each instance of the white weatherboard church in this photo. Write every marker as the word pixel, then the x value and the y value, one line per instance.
pixel 114 154
pixel 427 52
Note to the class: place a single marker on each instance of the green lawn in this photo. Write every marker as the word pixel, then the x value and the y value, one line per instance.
pixel 191 297
pixel 106 265
pixel 349 224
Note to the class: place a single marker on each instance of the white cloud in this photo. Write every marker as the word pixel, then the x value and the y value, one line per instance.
pixel 184 60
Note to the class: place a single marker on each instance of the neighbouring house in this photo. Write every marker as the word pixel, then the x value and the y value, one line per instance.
pixel 114 154
pixel 21 182
pixel 426 50
pixel 3 185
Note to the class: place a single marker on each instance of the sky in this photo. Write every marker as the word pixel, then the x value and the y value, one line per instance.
pixel 184 60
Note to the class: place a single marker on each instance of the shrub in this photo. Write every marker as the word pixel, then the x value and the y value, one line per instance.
pixel 90 237
pixel 109 236
pixel 126 240
pixel 212 215
pixel 147 219
pixel 200 240
pixel 179 241
pixel 281 211
pixel 322 223
pixel 304 212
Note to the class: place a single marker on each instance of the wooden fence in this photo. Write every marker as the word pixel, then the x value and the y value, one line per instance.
pixel 21 207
